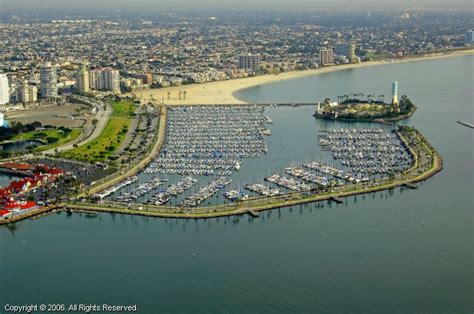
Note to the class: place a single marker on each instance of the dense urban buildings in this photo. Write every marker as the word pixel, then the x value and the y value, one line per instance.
pixel 4 90
pixel 48 81
pixel 170 50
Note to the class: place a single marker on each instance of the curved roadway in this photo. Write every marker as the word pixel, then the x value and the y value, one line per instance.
pixel 102 117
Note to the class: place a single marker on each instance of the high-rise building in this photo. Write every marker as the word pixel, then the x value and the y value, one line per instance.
pixel 111 80
pixel 105 79
pixel 4 90
pixel 82 79
pixel 22 94
pixel 346 50
pixel 32 93
pixel 249 63
pixel 48 81
pixel 326 56
pixel 395 93
pixel 95 79
pixel 26 93
pixel 468 40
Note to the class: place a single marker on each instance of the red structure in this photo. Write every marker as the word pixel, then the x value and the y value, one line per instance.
pixel 42 175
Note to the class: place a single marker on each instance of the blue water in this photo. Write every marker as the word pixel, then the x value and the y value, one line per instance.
pixel 6 179
pixel 394 251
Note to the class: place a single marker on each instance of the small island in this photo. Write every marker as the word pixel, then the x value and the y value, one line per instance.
pixel 358 107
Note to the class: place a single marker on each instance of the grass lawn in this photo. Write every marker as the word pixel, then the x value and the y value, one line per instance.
pixel 103 147
pixel 62 137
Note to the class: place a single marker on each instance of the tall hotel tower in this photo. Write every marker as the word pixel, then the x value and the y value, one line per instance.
pixel 48 81
pixel 82 79
pixel 4 91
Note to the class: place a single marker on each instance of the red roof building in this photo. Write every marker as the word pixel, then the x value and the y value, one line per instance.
pixel 4 212
pixel 15 166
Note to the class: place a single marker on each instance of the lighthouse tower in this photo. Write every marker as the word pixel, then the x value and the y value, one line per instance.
pixel 395 95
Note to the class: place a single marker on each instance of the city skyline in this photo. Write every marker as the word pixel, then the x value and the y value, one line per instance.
pixel 140 5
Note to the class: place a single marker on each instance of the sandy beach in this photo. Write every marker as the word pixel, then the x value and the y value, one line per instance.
pixel 222 92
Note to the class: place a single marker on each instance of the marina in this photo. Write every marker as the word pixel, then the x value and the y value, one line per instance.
pixel 262 189
pixel 367 152
pixel 237 196
pixel 115 188
pixel 332 171
pixel 345 156
pixel 211 140
pixel 288 183
pixel 140 190
pixel 205 192
pixel 173 190
pixel 308 176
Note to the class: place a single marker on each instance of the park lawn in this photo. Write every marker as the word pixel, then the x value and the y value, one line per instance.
pixel 114 133
pixel 39 135
pixel 62 137
pixel 62 140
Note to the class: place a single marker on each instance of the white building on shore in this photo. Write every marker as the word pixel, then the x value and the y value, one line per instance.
pixel 105 79
pixel 4 90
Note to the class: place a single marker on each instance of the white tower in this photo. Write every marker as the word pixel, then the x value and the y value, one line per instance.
pixel 4 90
pixel 48 81
pixel 395 93
pixel 395 103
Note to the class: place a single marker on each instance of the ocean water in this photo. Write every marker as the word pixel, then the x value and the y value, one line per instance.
pixel 392 251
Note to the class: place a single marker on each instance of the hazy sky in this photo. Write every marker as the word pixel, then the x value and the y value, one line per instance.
pixel 233 4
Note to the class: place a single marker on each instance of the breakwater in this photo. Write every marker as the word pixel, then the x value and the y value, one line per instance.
pixel 469 125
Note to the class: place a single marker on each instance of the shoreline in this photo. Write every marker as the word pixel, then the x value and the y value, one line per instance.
pixel 223 92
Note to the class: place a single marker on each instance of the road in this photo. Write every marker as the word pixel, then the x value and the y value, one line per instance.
pixel 89 132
